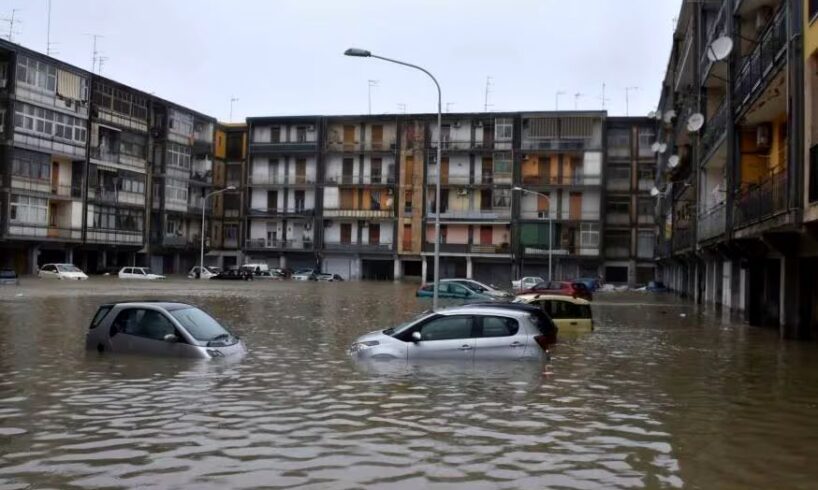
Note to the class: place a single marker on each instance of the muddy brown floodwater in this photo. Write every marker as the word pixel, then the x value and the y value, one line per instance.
pixel 651 399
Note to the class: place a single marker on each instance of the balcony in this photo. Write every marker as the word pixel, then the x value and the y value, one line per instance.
pixel 553 145
pixel 569 215
pixel 359 213
pixel 717 29
pixel 44 232
pixel 180 241
pixel 500 248
pixel 336 179
pixel 358 247
pixel 264 244
pixel 757 65
pixel 387 146
pixel 618 184
pixel 684 67
pixel 272 212
pixel 623 219
pixel 712 223
pixel 541 250
pixel 617 250
pixel 472 214
pixel 275 180
pixel 543 215
pixel 102 195
pixel 45 187
pixel 279 147
pixel 450 145
pixel 761 201
pixel 714 130
pixel 577 179
pixel 117 237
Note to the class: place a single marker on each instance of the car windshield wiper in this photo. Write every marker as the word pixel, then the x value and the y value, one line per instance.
pixel 223 336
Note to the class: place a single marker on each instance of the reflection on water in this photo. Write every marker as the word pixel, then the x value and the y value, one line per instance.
pixel 651 399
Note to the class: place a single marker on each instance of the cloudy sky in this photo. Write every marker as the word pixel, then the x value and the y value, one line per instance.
pixel 285 56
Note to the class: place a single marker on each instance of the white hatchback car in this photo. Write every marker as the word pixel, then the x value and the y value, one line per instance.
pixel 61 271
pixel 477 332
pixel 209 272
pixel 142 273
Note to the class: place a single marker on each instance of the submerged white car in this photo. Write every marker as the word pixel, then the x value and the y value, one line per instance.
pixel 143 273
pixel 208 272
pixel 477 332
pixel 61 271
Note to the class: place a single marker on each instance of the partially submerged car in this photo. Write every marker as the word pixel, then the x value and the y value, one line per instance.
pixel 208 272
pixel 452 290
pixel 141 273
pixel 569 288
pixel 233 275
pixel 61 271
pixel 160 328
pixel 330 277
pixel 487 331
pixel 8 277
pixel 478 286
pixel 525 282
pixel 305 275
pixel 571 315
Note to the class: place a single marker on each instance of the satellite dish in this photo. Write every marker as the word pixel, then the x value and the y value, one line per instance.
pixel 720 49
pixel 651 114
pixel 695 122
pixel 662 147
pixel 655 147
pixel 654 192
pixel 669 116
pixel 673 161
pixel 658 115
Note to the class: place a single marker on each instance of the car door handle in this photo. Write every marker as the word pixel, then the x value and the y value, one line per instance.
pixel 465 347
pixel 516 344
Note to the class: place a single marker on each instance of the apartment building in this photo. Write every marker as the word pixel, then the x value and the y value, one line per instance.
pixel 734 200
pixel 628 208
pixel 96 172
pixel 227 223
pixel 562 159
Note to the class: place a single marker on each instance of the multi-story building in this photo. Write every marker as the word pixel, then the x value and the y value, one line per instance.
pixel 227 232
pixel 629 209
pixel 561 158
pixel 735 205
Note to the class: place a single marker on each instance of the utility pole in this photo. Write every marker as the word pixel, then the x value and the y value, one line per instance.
pixel 628 90
pixel 232 100
pixel 486 104
pixel 557 99
pixel 372 83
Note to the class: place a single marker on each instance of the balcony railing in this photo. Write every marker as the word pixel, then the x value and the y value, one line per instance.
pixel 567 215
pixel 366 247
pixel 716 29
pixel 103 195
pixel 360 179
pixel 618 184
pixel 543 215
pixel 283 147
pixel 713 222
pixel 123 237
pixel 282 180
pixel 575 179
pixel 501 248
pixel 553 144
pixel 614 250
pixel 386 145
pixel 359 213
pixel 757 64
pixel 42 231
pixel 105 155
pixel 202 176
pixel 45 186
pixel 179 240
pixel 263 243
pixel 297 211
pixel 715 128
pixel 476 214
pixel 761 201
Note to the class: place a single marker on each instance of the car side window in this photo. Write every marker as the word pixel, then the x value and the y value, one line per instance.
pixel 144 323
pixel 47 268
pixel 496 326
pixel 458 289
pixel 127 270
pixel 447 328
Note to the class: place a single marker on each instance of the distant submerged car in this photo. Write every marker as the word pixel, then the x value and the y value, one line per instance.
pixel 657 287
pixel 233 275
pixel 209 272
pixel 8 278
pixel 142 273
pixel 453 290
pixel 160 328
pixel 479 287
pixel 305 275
pixel 61 271
pixel 330 277
pixel 525 283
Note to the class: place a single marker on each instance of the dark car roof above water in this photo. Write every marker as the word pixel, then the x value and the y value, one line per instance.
pixel 167 305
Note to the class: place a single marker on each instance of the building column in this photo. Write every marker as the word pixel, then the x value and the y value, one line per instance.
pixel 424 266
pixel 742 289
pixel 104 260
pixel 33 257
pixel 727 284
pixel 282 262
pixel 69 255
pixel 177 263
pixel 398 269
pixel 795 290
pixel 469 268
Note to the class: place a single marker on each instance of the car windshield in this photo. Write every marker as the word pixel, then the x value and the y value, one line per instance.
pixel 304 271
pixel 475 287
pixel 200 325
pixel 399 328
pixel 67 268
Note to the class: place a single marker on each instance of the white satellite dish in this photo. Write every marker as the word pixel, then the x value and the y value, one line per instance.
pixel 673 161
pixel 662 147
pixel 655 146
pixel 720 49
pixel 655 192
pixel 658 115
pixel 651 114
pixel 669 116
pixel 695 122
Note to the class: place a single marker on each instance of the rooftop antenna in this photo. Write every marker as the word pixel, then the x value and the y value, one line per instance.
pixel 557 99
pixel 604 99
pixel 402 107
pixel 48 51
pixel 94 52
pixel 576 99
pixel 628 90
pixel 232 100
pixel 448 104
pixel 486 104
pixel 372 83
pixel 100 61
pixel 11 21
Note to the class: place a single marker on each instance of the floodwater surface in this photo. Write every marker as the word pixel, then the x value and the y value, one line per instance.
pixel 661 395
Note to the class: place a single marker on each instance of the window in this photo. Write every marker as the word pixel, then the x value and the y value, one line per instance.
pixel 25 209
pixel 36 74
pixel 447 328
pixel 231 232
pixel 495 326
pixel 645 207
pixel 199 324
pixel 619 141
pixel 31 164
pixel 646 138
pixel 133 144
pixel 503 129
pixel 49 123
pixel 110 218
pixel 178 156
pixel 100 314
pixel 502 164
pixel 143 323
pixel 813 9
pixel 644 244
pixel 235 146
pixel 176 190
pixel 180 123
pixel 131 183
pixel 646 174
pixel 501 198
pixel 589 235
pixel 618 206
pixel 300 134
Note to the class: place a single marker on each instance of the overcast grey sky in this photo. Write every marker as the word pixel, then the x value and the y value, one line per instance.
pixel 285 56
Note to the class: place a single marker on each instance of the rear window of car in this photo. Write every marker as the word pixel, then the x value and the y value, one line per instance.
pixel 542 322
pixel 498 326
pixel 7 274
pixel 99 316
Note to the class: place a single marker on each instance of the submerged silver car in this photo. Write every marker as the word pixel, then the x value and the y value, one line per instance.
pixel 160 328
pixel 474 332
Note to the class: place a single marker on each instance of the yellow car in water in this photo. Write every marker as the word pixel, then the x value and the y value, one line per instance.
pixel 570 314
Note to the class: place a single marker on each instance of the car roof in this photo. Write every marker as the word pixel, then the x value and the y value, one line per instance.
pixel 553 297
pixel 513 309
pixel 167 305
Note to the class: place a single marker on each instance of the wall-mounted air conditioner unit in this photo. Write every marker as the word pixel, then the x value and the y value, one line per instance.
pixel 310 129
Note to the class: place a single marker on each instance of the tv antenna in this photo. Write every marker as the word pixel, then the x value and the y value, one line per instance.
pixel 402 107
pixel 557 99
pixel 486 104
pixel 95 57
pixel 11 22
pixel 576 99
pixel 101 61
pixel 628 91
pixel 48 43
pixel 232 100
pixel 449 104
pixel 372 83
pixel 604 99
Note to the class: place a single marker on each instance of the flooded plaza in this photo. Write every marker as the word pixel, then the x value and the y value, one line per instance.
pixel 661 395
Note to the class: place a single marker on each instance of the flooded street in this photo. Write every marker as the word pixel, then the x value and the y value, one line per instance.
pixel 651 399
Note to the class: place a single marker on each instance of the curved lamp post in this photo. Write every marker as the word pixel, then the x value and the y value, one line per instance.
pixel 362 53
pixel 204 206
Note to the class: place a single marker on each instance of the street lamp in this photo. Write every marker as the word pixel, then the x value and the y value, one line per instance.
pixel 362 53
pixel 550 224
pixel 202 231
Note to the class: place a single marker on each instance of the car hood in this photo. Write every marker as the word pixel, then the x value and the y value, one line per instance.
pixel 155 276
pixel 375 335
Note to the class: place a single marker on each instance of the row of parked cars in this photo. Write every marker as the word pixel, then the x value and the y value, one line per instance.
pixel 249 272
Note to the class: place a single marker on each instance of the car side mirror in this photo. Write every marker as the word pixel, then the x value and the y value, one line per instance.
pixel 171 338
pixel 416 337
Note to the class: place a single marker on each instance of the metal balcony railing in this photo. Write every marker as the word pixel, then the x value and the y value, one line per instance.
pixel 263 243
pixel 500 248
pixel 716 30
pixel 383 179
pixel 476 214
pixel 43 231
pixel 567 180
pixel 297 211
pixel 759 202
pixel 713 222
pixel 359 213
pixel 757 64
pixel 553 144
pixel 715 128
pixel 385 145
pixel 368 247
pixel 282 180
pixel 568 215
